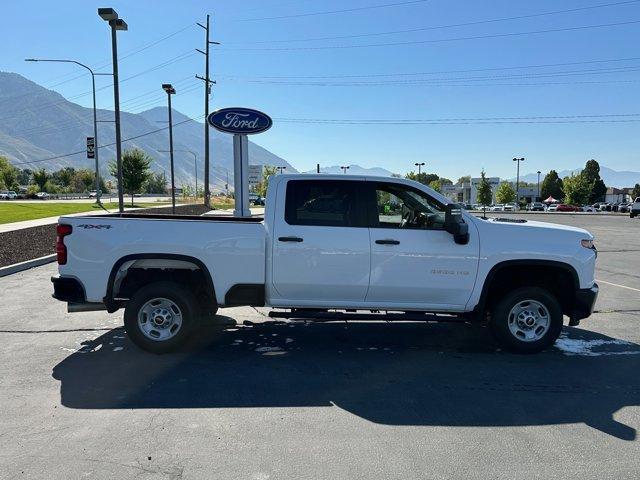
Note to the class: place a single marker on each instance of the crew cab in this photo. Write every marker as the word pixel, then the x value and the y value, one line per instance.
pixel 634 208
pixel 335 248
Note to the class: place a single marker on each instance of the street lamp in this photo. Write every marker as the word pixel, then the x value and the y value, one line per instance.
pixel 195 163
pixel 110 15
pixel 344 169
pixel 281 169
pixel 167 87
pixel 419 165
pixel 539 185
pixel 95 119
pixel 518 178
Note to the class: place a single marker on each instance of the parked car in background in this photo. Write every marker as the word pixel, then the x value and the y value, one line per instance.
pixel 497 207
pixel 536 207
pixel 511 207
pixel 93 194
pixel 42 196
pixel 553 207
pixel 635 208
pixel 8 195
pixel 623 208
pixel 605 207
pixel 563 207
pixel 588 208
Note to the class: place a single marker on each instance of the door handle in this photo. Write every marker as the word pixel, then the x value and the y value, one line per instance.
pixel 388 242
pixel 289 239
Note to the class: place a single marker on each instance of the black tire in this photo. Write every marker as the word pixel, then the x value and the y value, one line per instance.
pixel 631 215
pixel 182 298
pixel 500 321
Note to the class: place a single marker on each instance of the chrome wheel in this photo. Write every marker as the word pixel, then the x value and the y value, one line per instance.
pixel 160 319
pixel 529 320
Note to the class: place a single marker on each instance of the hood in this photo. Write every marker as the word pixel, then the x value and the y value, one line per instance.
pixel 534 227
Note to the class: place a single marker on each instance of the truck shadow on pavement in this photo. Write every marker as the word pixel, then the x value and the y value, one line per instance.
pixel 394 374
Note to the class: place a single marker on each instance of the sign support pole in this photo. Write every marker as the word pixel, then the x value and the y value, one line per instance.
pixel 241 175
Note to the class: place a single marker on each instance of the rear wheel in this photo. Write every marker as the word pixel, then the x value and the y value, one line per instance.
pixel 160 317
pixel 527 320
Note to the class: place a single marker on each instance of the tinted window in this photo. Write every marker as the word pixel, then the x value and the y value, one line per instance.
pixel 401 206
pixel 332 203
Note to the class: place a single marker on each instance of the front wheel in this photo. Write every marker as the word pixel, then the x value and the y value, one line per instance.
pixel 527 320
pixel 160 317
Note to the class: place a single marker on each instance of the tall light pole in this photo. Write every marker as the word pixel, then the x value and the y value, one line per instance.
pixel 518 178
pixel 167 87
pixel 95 116
pixel 344 169
pixel 281 169
pixel 539 185
pixel 111 16
pixel 195 163
pixel 419 165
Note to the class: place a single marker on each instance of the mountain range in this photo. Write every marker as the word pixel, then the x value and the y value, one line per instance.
pixel 611 178
pixel 355 170
pixel 39 127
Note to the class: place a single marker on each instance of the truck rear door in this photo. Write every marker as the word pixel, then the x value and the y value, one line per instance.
pixel 321 247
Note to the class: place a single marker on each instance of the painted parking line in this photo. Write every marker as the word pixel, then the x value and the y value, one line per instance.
pixel 618 285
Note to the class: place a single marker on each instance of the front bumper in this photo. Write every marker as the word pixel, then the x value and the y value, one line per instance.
pixel 68 289
pixel 585 300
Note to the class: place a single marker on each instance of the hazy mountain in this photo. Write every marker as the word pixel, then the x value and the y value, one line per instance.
pixel 355 170
pixel 36 124
pixel 612 178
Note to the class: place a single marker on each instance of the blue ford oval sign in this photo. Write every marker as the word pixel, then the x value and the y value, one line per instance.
pixel 239 120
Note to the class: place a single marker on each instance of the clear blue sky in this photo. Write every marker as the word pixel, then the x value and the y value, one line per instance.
pixel 255 46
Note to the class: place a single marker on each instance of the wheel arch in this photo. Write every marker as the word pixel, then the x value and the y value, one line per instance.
pixel 109 298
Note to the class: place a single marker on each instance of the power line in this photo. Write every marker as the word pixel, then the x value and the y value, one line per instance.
pixel 440 27
pixel 331 12
pixel 439 40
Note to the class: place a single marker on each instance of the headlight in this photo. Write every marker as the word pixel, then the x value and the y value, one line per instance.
pixel 587 243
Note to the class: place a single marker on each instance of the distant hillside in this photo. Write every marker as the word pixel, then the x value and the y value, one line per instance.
pixel 612 178
pixel 36 123
pixel 355 170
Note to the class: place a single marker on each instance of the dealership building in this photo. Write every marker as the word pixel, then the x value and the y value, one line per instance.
pixel 468 191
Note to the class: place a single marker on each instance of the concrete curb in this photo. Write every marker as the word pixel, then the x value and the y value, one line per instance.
pixel 19 267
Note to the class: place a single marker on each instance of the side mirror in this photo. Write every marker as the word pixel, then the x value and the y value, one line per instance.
pixel 455 225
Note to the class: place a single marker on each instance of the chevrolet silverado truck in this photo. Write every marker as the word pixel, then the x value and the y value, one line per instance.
pixel 331 247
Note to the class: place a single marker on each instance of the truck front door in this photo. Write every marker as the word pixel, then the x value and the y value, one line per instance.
pixel 415 263
pixel 320 245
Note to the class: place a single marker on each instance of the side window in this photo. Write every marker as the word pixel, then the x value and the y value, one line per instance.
pixel 400 206
pixel 324 203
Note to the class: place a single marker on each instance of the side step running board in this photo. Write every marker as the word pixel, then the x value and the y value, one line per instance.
pixel 328 316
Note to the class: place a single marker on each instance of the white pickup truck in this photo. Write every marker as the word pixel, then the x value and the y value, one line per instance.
pixel 634 208
pixel 333 247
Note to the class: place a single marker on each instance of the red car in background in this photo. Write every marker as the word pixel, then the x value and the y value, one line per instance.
pixel 563 207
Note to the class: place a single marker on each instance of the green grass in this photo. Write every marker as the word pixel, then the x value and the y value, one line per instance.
pixel 12 211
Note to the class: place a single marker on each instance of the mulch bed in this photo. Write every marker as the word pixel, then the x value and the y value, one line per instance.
pixel 29 243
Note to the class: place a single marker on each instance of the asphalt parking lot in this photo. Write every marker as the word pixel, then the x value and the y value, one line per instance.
pixel 258 399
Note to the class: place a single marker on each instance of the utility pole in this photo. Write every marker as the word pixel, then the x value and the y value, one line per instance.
pixel 539 185
pixel 317 168
pixel 207 91
pixel 518 178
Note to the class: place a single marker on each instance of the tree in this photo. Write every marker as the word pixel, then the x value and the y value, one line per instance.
pixel 505 193
pixel 462 180
pixel 267 172
pixel 40 177
pixel 135 170
pixel 64 176
pixel 635 192
pixel 8 175
pixel 552 186
pixel 445 181
pixel 577 189
pixel 485 195
pixel 591 173
pixel 436 185
pixel 156 183
pixel 24 176
pixel 422 177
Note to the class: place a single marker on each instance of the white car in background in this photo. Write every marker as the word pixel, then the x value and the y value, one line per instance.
pixel 634 208
pixel 8 195
pixel 511 207
pixel 553 207
pixel 588 208
pixel 497 208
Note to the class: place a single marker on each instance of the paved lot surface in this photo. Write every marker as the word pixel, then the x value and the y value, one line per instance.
pixel 271 400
